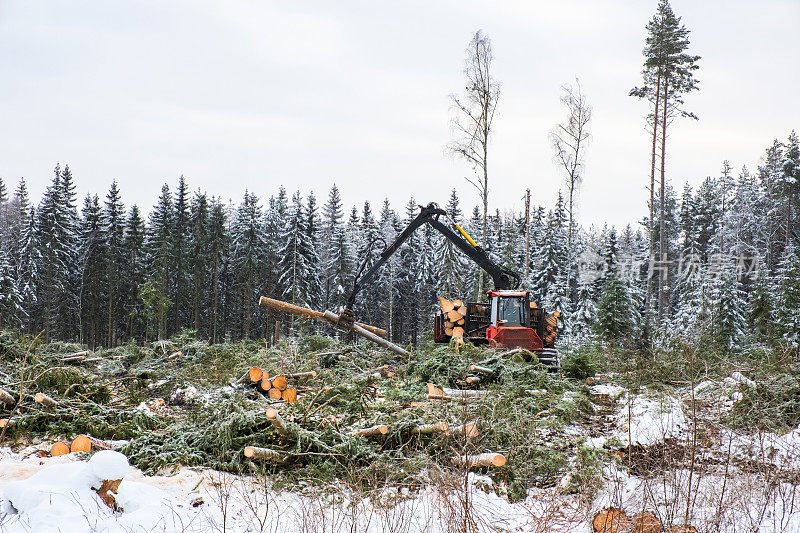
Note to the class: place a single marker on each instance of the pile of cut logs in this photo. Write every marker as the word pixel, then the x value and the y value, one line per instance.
pixel 277 387
pixel 455 311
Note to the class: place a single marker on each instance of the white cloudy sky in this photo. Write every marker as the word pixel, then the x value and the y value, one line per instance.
pixel 253 94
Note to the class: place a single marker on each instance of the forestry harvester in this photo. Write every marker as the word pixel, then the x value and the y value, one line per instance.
pixel 510 318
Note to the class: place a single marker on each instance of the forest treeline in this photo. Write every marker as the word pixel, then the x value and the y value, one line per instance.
pixel 101 274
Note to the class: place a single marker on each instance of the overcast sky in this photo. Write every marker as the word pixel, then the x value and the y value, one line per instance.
pixel 240 94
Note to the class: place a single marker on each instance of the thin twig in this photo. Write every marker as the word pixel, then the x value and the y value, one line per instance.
pixel 21 385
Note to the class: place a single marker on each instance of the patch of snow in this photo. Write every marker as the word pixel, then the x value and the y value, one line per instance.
pixel 595 442
pixel 738 377
pixel 651 420
pixel 610 390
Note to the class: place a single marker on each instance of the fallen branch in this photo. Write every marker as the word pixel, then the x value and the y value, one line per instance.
pixel 481 459
pixel 429 429
pixel 45 400
pixel 277 421
pixel 255 452
pixel 373 431
pixel 6 398
pixel 469 430
pixel 481 369
pixel 21 386
pixel 300 375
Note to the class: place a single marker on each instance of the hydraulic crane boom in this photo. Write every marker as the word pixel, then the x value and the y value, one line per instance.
pixel 503 278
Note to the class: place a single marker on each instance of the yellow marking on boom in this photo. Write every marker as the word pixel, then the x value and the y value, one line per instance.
pixel 464 233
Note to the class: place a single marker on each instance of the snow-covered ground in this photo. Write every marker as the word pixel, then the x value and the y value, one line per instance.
pixel 745 483
pixel 55 494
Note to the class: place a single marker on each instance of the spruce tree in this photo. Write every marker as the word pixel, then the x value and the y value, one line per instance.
pixel 217 247
pixel 11 310
pixel 28 263
pixel 93 274
pixel 133 274
pixel 332 215
pixel 614 322
pixel 198 260
pixel 179 246
pixel 113 230
pixel 452 262
pixel 158 250
pixel 247 236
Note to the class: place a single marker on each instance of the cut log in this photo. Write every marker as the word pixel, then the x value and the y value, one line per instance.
pixel 373 431
pixel 106 492
pixel 461 322
pixel 469 430
pixel 457 304
pixel 610 520
pixel 430 429
pixel 6 398
pixel 75 357
pixel 646 522
pixel 277 422
pixel 333 319
pixel 448 324
pixel 316 315
pixel 45 400
pixel 481 459
pixel 7 422
pixel 255 375
pixel 448 332
pixel 454 316
pixel 289 395
pixel 481 369
pixel 275 394
pixel 473 380
pixel 59 448
pixel 265 384
pixel 446 305
pixel 458 331
pixel 462 310
pixel 300 375
pixel 86 443
pixel 254 452
pixel 81 443
pixel 443 393
pixel 280 382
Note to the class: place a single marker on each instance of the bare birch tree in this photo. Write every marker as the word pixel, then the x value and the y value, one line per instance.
pixel 472 121
pixel 569 141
